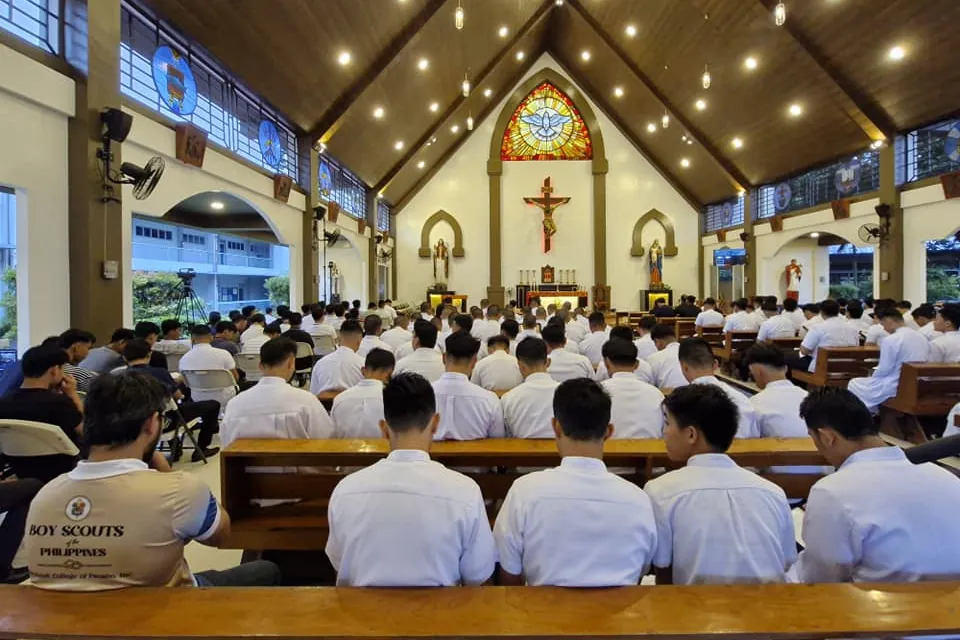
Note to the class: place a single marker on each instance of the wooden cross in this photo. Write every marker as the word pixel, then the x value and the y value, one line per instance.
pixel 548 205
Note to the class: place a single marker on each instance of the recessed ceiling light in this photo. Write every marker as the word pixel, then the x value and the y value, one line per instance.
pixel 585 55
pixel 434 106
pixel 422 64
pixel 455 128
pixel 700 105
pixel 750 63
pixel 433 139
pixel 685 163
pixel 519 55
pixel 618 92
pixel 421 164
pixel 487 93
pixel 398 145
pixel 344 58
pixel 876 144
pixel 216 205
pixel 378 113
pixel 651 128
pixel 795 110
pixel 503 31
pixel 631 30
pixel 558 2
pixel 896 53
pixel 737 143
pixel 815 234
pixel 689 140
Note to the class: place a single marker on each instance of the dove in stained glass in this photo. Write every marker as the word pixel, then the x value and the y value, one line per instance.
pixel 546 124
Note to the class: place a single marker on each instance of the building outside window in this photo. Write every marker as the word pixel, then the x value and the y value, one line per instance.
pixel 8 277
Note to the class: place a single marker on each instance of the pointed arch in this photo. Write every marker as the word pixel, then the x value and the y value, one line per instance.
pixel 546 125
pixel 441 216
pixel 670 249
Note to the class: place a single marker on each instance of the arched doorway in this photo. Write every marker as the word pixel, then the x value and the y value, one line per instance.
pixel 832 265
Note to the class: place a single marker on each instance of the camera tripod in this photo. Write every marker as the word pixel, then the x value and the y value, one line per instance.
pixel 190 309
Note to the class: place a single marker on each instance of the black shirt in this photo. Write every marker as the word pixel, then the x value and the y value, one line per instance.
pixel 42 405
pixel 687 310
pixel 299 335
pixel 664 312
pixel 162 375
pixel 158 360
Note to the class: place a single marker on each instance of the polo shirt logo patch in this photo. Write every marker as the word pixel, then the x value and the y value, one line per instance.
pixel 78 508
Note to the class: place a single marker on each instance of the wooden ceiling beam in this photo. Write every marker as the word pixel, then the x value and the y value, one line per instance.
pixel 415 148
pixel 733 173
pixel 333 117
pixel 875 122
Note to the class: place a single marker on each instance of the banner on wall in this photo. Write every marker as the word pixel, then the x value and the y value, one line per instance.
pixel 847 177
pixel 174 81
pixel 781 196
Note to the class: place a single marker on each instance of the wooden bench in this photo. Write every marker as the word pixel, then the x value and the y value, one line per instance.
pixel 686 328
pixel 786 344
pixel 774 611
pixel 924 391
pixel 836 366
pixel 713 335
pixel 735 344
pixel 303 525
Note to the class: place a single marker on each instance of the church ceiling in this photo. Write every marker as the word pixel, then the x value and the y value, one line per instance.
pixel 824 85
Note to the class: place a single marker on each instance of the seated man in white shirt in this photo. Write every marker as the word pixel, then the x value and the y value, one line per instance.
pixel 740 320
pixel 645 345
pixel 592 345
pixel 811 315
pixel 273 408
pixel 530 329
pixel 528 408
pixel 499 371
pixel 641 368
pixel 709 317
pixel 776 325
pixel 407 521
pixel 946 347
pixel 541 315
pixel 904 307
pixel 925 315
pixel 777 406
pixel 320 330
pixel 372 328
pixel 205 356
pixel 854 313
pixel 564 365
pixel 879 518
pixel 483 329
pixel 637 410
pixel 832 331
pixel 425 359
pixel 358 411
pixel 717 523
pixel 255 325
pixel 172 342
pixel 467 411
pixel 254 343
pixel 699 366
pixel 791 311
pixel 400 334
pixel 664 364
pixel 574 331
pixel 577 525
pixel 876 333
pixel 341 369
pixel 902 344
pixel 510 330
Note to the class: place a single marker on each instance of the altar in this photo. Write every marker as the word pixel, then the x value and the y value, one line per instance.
pixel 436 298
pixel 552 294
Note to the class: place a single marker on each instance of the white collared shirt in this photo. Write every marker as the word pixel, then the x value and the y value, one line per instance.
pixel 777 410
pixel 904 345
pixel 576 525
pixel 527 333
pixel 467 412
pixel 592 346
pixel 274 409
pixel 645 345
pixel 636 407
pixel 253 331
pixel 741 321
pixel 528 408
pixel 369 343
pixel 875 334
pixel 253 344
pixel 484 329
pixel 778 326
pixel 643 372
pixel 170 347
pixel 808 324
pixel 575 331
pixel 396 337
pixel 427 362
pixel 321 328
pixel 357 412
pixel 408 521
pixel 881 518
pixel 564 365
pixel 709 318
pixel 796 317
pixel 929 331
pixel 206 356
pixel 338 370
pixel 747 417
pixel 832 332
pixel 718 523
pixel 665 365
pixel 946 348
pixel 497 372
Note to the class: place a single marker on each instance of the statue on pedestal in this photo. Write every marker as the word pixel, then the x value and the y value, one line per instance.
pixel 793 275
pixel 441 261
pixel 656 265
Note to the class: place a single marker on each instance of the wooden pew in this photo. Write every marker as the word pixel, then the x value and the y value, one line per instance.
pixel 924 391
pixel 772 611
pixel 786 344
pixel 836 366
pixel 303 525
pixel 713 335
pixel 735 344
pixel 686 328
pixel 326 398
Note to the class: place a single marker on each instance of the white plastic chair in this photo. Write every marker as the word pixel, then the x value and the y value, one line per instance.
pixel 23 438
pixel 210 379
pixel 324 345
pixel 249 363
pixel 173 361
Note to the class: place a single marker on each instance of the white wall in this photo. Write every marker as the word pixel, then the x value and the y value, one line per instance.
pixel 927 216
pixel 35 105
pixel 353 269
pixel 461 187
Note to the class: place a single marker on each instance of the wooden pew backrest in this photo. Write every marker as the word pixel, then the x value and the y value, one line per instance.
pixel 836 366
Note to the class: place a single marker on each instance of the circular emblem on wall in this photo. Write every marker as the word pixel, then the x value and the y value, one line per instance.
pixel 951 145
pixel 78 508
pixel 726 214
pixel 847 177
pixel 326 179
pixel 781 196
pixel 270 146
pixel 174 81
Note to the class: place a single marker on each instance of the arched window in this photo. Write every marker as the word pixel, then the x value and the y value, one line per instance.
pixel 546 126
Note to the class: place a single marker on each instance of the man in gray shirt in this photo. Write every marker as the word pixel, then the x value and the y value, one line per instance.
pixel 108 357
pixel 226 337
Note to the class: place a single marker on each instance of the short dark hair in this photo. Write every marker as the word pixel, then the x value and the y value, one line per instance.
pixel 812 307
pixel 295 318
pixel 623 332
pixel 258 317
pixel 769 306
pixel 622 353
pixel 498 339
pixel 696 352
pixel 529 321
pixel 371 324
pixel 765 354
pixel 840 410
pixel 212 318
pixel 741 303
pixel 248 310
pixel 597 319
pixel 317 311
pixel 117 406
pixel 37 361
pixel 868 301
pixel 462 346
pixel 889 312
pixel 905 304
pixel 663 332
pixel 225 325
pixel 710 301
pixel 830 308
pixel 582 408
pixel 122 335
pixel 273 329
pixel 951 313
pixel 145 329
pixel 351 326
pixel 136 350
pixel 648 323
pixel 855 310
pixel 408 402
pixel 275 351
pixel 927 311
pixel 379 360
pixel 789 304
pixel 305 307
pixel 770 299
pixel 553 334
pixel 510 328
pixel 200 330
pixel 464 321
pixel 706 408
pixel 659 301
pixel 170 324
pixel 532 351
pixel 426 333
pixel 234 315
pixel 71 337
pixel 842 302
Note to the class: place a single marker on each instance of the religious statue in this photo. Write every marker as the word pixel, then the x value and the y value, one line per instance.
pixel 794 273
pixel 441 261
pixel 548 205
pixel 656 265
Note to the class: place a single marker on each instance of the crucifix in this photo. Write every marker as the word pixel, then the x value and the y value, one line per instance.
pixel 548 205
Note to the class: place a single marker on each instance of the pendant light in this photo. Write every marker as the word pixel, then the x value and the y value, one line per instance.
pixel 665 120
pixel 706 77
pixel 458 16
pixel 465 86
pixel 780 13
pixel 470 121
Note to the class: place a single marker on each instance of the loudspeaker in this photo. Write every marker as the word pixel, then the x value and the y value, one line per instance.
pixel 319 212
pixel 116 124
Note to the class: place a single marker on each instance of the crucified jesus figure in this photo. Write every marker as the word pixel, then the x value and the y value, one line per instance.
pixel 548 205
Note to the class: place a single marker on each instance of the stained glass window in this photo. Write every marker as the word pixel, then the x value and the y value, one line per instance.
pixel 546 126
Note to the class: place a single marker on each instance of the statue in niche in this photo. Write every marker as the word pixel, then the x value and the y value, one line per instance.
pixel 656 265
pixel 441 261
pixel 793 275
